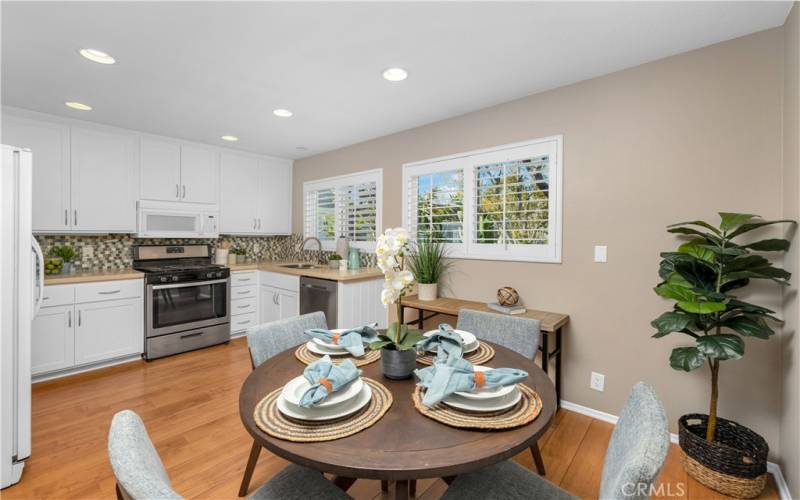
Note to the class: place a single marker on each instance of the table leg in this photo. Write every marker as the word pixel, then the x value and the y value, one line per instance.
pixel 537 458
pixel 249 468
pixel 412 488
pixel 343 483
pixel 384 486
pixel 558 368
pixel 449 479
pixel 402 313
pixel 401 490
pixel 420 319
pixel 545 352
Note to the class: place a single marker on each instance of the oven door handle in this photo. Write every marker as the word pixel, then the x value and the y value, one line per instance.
pixel 192 283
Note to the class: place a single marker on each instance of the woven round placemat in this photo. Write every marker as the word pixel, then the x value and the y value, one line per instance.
pixel 304 355
pixel 270 420
pixel 522 413
pixel 479 356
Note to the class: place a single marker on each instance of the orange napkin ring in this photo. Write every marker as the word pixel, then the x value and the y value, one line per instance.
pixel 326 383
pixel 335 338
pixel 480 379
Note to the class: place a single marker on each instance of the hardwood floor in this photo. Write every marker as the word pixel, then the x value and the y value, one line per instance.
pixel 189 404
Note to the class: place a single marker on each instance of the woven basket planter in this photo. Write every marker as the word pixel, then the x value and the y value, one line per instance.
pixel 734 464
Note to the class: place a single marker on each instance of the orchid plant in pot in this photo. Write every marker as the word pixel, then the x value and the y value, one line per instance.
pixel 397 344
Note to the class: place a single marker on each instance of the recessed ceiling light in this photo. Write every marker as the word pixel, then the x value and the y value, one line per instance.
pixel 283 113
pixel 97 56
pixel 78 105
pixel 229 138
pixel 395 74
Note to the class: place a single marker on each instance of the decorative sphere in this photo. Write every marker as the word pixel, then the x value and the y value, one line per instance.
pixel 507 296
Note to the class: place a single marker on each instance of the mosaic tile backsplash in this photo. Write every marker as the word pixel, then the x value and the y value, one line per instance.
pixel 113 251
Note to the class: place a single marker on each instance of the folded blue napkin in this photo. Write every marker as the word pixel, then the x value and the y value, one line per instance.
pixel 446 342
pixel 351 339
pixel 325 378
pixel 457 374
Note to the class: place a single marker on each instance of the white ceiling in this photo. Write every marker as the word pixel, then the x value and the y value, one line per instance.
pixel 201 70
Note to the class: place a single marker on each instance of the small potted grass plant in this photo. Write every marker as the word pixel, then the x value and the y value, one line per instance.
pixel 427 263
pixel 333 260
pixel 67 254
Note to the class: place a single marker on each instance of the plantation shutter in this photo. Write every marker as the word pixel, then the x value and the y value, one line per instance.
pixel 320 214
pixel 511 202
pixel 357 211
pixel 435 205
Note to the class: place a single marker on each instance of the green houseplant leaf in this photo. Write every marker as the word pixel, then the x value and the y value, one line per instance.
pixel 723 346
pixel 686 358
pixel 730 221
pixel 749 325
pixel 672 321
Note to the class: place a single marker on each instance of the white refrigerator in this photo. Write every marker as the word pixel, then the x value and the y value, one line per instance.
pixel 21 290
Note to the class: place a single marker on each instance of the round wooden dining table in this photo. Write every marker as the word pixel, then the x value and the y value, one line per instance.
pixel 404 445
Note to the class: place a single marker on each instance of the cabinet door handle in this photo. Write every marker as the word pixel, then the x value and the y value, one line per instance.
pixel 243 279
pixel 188 335
pixel 184 192
pixel 243 307
pixel 79 317
pixel 76 216
pixel 66 217
pixel 275 299
pixel 69 319
pixel 177 191
pixel 243 292
pixel 112 292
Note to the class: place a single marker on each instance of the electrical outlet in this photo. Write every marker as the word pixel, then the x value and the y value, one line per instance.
pixel 597 381
pixel 601 253
pixel 87 252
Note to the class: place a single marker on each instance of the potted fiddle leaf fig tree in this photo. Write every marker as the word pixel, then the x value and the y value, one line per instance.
pixel 705 278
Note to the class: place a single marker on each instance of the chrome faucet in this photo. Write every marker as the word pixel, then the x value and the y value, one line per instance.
pixel 301 248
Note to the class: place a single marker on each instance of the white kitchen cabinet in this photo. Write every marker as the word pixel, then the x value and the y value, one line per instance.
pixel 53 339
pixel 288 304
pixel 160 162
pixel 239 194
pixel 106 330
pixel 172 171
pixel 256 195
pixel 269 307
pixel 199 174
pixel 49 143
pixel 275 188
pixel 104 181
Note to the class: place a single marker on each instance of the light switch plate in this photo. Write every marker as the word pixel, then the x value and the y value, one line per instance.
pixel 87 251
pixel 600 253
pixel 597 381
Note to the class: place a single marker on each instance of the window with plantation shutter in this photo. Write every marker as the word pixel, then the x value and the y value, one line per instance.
pixel 501 203
pixel 346 206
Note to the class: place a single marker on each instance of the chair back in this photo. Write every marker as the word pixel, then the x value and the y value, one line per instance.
pixel 518 334
pixel 137 467
pixel 638 447
pixel 269 339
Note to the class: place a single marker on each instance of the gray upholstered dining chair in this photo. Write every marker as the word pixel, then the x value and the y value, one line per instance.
pixel 141 475
pixel 521 335
pixel 634 457
pixel 267 340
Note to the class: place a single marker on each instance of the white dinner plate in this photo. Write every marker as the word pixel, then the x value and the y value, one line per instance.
pixel 497 404
pixel 293 392
pixel 316 413
pixel 322 350
pixel 470 341
pixel 486 394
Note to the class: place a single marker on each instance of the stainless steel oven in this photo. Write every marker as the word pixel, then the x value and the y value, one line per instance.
pixel 187 299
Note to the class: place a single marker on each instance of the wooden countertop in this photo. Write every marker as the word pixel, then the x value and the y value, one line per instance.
pixel 322 271
pixel 92 276
pixel 550 321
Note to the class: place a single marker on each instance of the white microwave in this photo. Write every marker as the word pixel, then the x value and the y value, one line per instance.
pixel 167 219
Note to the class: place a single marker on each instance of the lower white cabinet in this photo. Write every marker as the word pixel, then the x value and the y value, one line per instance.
pixel 53 339
pixel 277 303
pixel 107 330
pixel 86 326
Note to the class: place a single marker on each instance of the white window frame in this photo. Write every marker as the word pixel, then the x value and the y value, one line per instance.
pixel 337 182
pixel 552 146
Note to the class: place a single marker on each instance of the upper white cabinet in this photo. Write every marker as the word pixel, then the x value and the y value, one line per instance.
pixel 171 171
pixel 104 181
pixel 255 195
pixel 51 178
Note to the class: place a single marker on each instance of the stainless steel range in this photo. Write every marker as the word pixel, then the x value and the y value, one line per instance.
pixel 187 299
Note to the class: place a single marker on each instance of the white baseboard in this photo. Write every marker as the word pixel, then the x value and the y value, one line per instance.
pixel 772 467
pixel 85 368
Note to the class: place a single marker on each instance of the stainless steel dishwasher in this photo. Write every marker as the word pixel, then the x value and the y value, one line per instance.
pixel 319 295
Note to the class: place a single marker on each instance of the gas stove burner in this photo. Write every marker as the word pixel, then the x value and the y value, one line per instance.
pixel 177 263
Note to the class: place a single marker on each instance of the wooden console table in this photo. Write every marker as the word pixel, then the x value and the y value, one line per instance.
pixel 550 324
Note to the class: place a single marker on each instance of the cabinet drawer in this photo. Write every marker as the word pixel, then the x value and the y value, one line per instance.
pixel 244 292
pixel 283 281
pixel 244 278
pixel 58 295
pixel 243 321
pixel 109 290
pixel 244 306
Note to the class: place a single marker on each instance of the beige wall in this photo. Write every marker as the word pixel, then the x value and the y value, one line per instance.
pixel 668 141
pixel 790 405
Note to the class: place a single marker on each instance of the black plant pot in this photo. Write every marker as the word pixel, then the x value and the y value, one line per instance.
pixel 398 365
pixel 735 463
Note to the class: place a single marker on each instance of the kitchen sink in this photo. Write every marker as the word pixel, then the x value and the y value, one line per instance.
pixel 299 266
